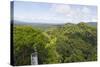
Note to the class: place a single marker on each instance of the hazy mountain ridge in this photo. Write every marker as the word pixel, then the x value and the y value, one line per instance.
pixel 92 23
pixel 47 24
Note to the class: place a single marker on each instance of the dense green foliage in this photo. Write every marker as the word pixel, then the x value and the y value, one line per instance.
pixel 59 44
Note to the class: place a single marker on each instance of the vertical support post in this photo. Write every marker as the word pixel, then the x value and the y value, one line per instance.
pixel 34 58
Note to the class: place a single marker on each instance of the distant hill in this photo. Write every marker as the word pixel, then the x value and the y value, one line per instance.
pixel 92 23
pixel 37 24
pixel 45 25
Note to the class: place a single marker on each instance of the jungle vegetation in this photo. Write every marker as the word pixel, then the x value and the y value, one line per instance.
pixel 64 43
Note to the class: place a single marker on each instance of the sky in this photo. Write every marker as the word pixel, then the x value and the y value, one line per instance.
pixel 53 13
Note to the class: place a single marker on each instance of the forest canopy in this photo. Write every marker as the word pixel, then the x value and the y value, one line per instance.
pixel 55 44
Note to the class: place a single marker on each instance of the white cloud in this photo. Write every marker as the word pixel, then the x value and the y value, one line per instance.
pixel 19 17
pixel 94 19
pixel 68 14
pixel 61 9
pixel 63 12
pixel 86 10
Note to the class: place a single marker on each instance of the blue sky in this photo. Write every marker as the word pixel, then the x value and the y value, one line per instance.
pixel 53 13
